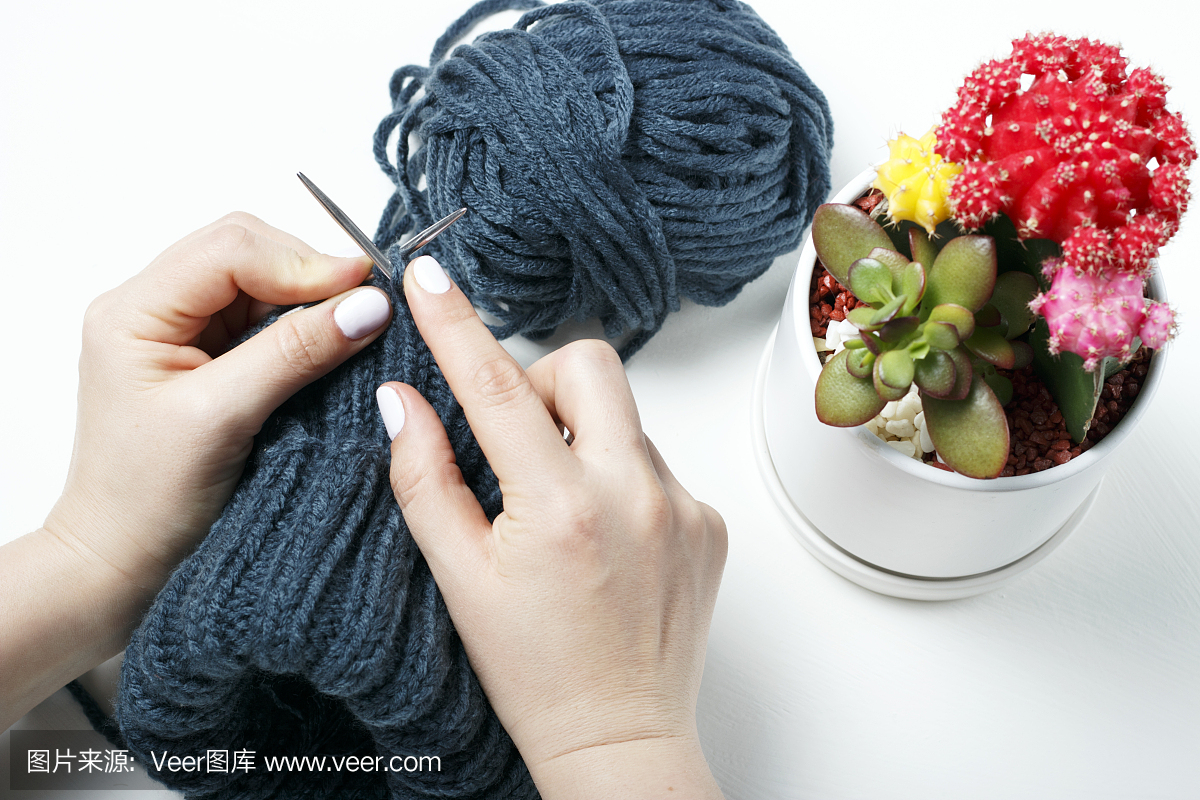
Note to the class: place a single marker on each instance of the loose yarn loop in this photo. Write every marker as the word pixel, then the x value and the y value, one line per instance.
pixel 307 621
pixel 615 155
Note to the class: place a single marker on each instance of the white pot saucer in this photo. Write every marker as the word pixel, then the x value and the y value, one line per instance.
pixel 865 574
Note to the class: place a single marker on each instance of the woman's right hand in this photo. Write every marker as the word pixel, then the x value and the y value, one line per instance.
pixel 585 606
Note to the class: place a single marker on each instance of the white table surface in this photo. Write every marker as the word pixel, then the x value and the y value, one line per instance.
pixel 125 125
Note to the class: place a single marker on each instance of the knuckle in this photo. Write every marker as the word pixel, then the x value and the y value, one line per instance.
pixel 652 507
pixel 240 218
pixel 300 349
pixel 227 239
pixel 97 319
pixel 500 382
pixel 586 352
pixel 411 482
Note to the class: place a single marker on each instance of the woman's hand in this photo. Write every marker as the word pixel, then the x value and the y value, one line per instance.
pixel 585 606
pixel 167 417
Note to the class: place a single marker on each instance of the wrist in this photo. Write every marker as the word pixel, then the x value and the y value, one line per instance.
pixel 639 769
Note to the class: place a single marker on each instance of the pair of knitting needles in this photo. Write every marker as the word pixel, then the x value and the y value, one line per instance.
pixel 406 250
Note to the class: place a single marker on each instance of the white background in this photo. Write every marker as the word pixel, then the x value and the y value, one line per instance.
pixel 125 125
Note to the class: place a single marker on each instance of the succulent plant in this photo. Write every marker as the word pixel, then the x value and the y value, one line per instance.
pixel 945 327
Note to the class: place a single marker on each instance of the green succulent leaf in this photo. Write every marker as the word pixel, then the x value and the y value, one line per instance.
pixel 959 316
pixel 962 372
pixel 884 389
pixel 896 369
pixel 870 281
pixel 898 328
pixel 941 335
pixel 964 273
pixel 992 347
pixel 1011 298
pixel 1001 386
pixel 872 342
pixel 860 362
pixel 988 317
pixel 853 344
pixel 843 234
pixel 888 311
pixel 842 399
pixel 1022 352
pixel 921 247
pixel 918 349
pixel 863 318
pixel 935 374
pixel 896 262
pixel 912 285
pixel 971 435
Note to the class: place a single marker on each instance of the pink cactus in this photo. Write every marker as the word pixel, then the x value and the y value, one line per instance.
pixel 1097 314
pixel 1159 326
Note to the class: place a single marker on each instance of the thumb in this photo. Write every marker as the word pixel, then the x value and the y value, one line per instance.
pixel 295 350
pixel 442 513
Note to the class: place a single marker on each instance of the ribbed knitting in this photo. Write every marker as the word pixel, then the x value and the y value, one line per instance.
pixel 615 156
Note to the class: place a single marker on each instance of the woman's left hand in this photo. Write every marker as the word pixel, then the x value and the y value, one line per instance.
pixel 167 416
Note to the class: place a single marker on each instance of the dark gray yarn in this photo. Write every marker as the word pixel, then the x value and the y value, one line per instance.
pixel 614 157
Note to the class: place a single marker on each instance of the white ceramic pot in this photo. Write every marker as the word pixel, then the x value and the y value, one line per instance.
pixel 890 522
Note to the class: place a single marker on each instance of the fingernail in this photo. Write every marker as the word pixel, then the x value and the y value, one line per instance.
pixel 391 409
pixel 362 312
pixel 430 275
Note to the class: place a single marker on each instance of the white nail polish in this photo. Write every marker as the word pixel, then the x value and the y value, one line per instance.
pixel 361 313
pixel 391 409
pixel 430 275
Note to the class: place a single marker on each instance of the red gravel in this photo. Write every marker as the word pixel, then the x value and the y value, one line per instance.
pixel 1038 437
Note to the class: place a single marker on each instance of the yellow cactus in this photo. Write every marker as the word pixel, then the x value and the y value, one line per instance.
pixel 916 180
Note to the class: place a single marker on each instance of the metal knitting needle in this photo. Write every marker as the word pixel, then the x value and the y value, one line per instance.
pixel 407 249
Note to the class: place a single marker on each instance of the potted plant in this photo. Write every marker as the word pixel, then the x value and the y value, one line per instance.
pixel 995 293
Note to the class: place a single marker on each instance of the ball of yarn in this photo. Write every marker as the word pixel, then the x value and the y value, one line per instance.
pixel 615 155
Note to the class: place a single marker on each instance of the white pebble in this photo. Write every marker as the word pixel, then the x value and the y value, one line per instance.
pixel 889 410
pixel 926 442
pixel 919 421
pixel 873 425
pixel 833 335
pixel 902 428
pixel 908 407
pixel 904 447
pixel 849 331
pixel 820 345
pixel 916 440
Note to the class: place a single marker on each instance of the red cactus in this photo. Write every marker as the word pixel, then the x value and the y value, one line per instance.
pixel 1087 155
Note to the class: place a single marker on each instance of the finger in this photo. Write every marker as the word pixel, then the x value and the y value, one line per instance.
pixel 255 224
pixel 296 349
pixel 171 300
pixel 583 385
pixel 512 425
pixel 441 511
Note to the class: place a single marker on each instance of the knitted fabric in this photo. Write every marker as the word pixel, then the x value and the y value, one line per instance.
pixel 614 156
